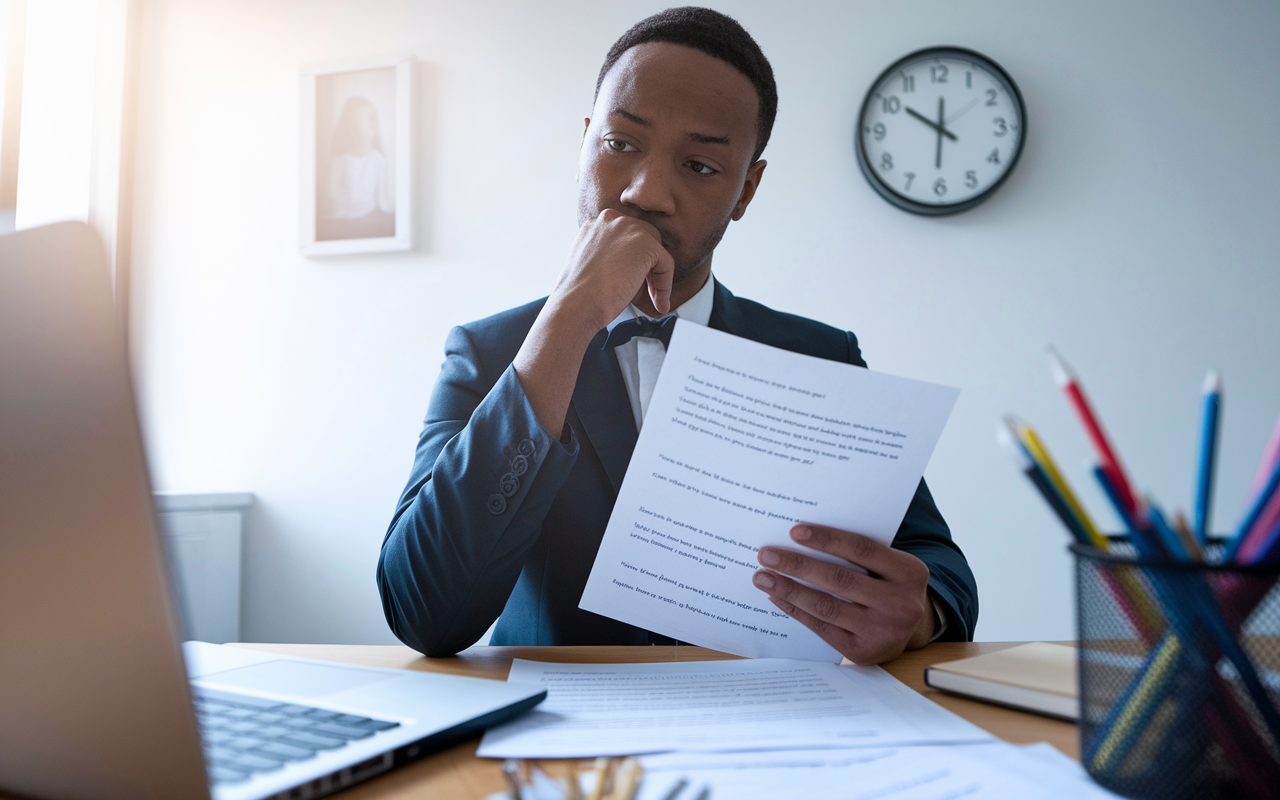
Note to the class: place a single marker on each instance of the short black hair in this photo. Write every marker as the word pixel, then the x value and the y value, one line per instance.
pixel 718 36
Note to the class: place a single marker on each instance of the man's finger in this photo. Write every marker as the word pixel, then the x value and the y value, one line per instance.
pixel 821 605
pixel 839 580
pixel 659 280
pixel 864 551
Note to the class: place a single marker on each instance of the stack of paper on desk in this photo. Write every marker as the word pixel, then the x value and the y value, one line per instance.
pixel 619 709
pixel 774 728
pixel 996 771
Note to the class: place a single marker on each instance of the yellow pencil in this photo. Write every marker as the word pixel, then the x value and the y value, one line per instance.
pixel 1041 454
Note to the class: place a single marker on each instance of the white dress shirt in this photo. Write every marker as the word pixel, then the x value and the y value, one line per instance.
pixel 641 358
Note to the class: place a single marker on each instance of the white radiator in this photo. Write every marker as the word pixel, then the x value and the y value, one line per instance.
pixel 202 536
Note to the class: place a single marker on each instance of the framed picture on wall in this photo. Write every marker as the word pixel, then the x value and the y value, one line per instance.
pixel 356 157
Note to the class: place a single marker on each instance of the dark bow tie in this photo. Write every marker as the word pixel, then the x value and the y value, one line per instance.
pixel 627 330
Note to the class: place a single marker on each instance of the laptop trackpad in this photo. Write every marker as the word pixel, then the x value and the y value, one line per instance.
pixel 296 678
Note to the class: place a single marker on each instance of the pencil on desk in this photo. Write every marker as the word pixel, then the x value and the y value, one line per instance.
pixel 1211 409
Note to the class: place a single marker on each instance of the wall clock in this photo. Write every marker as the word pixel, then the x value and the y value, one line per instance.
pixel 940 130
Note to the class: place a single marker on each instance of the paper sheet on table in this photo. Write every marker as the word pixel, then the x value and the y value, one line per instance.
pixel 740 442
pixel 620 709
pixel 995 771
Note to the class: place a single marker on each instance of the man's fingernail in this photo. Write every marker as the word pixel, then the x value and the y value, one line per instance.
pixel 800 533
pixel 769 558
pixel 764 580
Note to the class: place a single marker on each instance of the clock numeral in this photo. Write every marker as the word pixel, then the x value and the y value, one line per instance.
pixel 968 80
pixel 886 162
pixel 1001 127
pixel 908 82
pixel 994 158
pixel 878 131
pixel 971 179
pixel 891 104
pixel 938 73
pixel 991 97
pixel 910 176
pixel 940 187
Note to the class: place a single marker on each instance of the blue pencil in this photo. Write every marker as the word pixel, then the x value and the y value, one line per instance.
pixel 1146 544
pixel 1211 408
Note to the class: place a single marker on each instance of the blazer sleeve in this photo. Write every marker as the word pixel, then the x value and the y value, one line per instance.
pixel 484 476
pixel 924 534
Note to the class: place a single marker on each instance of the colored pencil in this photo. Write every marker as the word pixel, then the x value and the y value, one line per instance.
pixel 1108 460
pixel 1169 539
pixel 1254 514
pixel 1040 454
pixel 1270 456
pixel 1211 408
pixel 1146 544
pixel 1008 439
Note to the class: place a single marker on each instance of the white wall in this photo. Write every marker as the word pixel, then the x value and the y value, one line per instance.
pixel 1138 234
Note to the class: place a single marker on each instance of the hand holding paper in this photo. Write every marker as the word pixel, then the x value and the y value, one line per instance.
pixel 742 442
pixel 871 614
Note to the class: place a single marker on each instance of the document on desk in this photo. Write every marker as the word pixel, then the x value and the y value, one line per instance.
pixel 618 709
pixel 994 771
pixel 740 442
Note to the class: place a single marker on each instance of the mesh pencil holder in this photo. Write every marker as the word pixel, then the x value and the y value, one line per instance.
pixel 1179 670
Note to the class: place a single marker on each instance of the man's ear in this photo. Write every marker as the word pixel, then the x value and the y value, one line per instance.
pixel 586 125
pixel 749 186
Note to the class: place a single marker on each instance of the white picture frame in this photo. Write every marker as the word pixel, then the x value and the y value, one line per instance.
pixel 356 163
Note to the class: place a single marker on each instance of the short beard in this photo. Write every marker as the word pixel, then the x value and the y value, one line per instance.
pixel 685 268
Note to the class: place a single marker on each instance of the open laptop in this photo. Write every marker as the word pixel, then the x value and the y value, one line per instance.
pixel 95 698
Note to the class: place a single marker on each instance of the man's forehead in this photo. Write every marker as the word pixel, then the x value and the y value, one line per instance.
pixel 657 82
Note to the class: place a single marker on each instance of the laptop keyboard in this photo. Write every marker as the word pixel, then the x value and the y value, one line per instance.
pixel 243 735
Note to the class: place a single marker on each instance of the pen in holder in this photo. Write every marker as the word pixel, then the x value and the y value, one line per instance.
pixel 1185 707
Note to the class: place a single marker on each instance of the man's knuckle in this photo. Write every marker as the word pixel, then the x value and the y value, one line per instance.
pixel 842 579
pixel 826 607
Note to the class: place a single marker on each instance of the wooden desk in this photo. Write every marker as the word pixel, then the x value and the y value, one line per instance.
pixel 457 773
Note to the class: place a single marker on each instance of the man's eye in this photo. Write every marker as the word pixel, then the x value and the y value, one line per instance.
pixel 701 169
pixel 618 145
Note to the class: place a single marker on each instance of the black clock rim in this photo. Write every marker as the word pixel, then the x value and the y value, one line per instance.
pixel 926 209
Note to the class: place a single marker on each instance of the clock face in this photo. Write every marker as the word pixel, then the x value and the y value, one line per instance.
pixel 940 130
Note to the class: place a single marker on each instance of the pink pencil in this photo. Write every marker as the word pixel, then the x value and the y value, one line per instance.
pixel 1268 463
pixel 1108 460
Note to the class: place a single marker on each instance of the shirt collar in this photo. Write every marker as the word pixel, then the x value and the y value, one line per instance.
pixel 696 309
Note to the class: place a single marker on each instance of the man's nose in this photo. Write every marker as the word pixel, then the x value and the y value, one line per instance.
pixel 651 188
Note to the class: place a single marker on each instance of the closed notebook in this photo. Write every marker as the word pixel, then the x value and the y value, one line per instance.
pixel 1037 677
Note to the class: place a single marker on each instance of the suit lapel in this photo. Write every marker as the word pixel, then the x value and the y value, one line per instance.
pixel 725 315
pixel 602 405
pixel 600 397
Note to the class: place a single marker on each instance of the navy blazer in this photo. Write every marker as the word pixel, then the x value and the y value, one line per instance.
pixel 501 520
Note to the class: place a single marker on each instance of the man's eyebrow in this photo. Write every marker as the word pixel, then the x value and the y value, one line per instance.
pixel 629 116
pixel 705 138
pixel 701 138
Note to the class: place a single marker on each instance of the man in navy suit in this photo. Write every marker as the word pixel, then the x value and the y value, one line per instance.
pixel 537 409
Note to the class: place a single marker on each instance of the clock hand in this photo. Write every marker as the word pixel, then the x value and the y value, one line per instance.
pixel 941 121
pixel 930 123
pixel 962 111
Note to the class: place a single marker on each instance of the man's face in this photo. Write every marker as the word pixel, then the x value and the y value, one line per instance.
pixel 670 142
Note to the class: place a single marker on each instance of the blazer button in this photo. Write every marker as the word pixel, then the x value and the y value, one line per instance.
pixel 508 485
pixel 519 465
pixel 497 504
pixel 526 447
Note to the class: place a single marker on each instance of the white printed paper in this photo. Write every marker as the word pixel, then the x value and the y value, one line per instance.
pixel 740 442
pixel 995 771
pixel 619 709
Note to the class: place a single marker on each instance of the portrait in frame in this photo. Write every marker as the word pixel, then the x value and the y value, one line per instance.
pixel 356 162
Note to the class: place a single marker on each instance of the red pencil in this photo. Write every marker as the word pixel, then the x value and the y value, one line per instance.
pixel 1108 460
